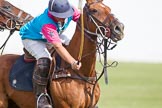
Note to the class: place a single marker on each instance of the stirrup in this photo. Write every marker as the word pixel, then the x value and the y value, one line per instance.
pixel 46 95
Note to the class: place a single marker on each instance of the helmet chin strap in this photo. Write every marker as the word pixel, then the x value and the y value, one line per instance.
pixel 61 24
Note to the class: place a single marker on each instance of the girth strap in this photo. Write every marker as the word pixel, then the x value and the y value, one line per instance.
pixel 64 74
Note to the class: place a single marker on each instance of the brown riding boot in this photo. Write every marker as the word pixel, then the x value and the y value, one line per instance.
pixel 40 80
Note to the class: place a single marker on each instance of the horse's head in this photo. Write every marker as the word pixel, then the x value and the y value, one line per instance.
pixel 11 17
pixel 104 22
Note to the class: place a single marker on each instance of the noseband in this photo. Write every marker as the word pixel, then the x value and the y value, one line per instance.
pixel 102 28
pixel 105 24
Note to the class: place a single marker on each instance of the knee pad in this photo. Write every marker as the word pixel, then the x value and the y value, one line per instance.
pixel 41 71
pixel 43 67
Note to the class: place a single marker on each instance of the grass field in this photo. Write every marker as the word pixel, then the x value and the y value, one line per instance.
pixel 132 85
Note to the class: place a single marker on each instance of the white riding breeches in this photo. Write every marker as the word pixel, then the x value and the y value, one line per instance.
pixel 36 48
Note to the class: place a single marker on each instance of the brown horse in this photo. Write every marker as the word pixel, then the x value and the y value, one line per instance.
pixel 69 88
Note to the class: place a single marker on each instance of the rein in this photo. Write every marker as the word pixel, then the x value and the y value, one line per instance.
pixel 105 42
pixel 82 32
pixel 4 44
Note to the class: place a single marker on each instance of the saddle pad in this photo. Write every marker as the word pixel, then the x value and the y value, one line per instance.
pixel 21 73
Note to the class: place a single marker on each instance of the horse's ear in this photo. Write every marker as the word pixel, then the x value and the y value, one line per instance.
pixel 90 1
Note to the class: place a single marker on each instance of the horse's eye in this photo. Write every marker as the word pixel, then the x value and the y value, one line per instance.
pixel 93 11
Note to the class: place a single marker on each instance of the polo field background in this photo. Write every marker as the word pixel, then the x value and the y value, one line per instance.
pixel 132 85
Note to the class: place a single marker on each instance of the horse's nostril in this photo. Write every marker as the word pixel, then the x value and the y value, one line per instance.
pixel 117 29
pixel 117 32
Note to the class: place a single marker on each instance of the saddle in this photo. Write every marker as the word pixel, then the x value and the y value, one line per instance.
pixel 28 57
pixel 21 73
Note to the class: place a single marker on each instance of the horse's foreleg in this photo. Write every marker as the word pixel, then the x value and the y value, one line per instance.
pixel 3 100
pixel 3 96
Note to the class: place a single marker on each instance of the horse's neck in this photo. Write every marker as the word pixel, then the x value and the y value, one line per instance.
pixel 88 55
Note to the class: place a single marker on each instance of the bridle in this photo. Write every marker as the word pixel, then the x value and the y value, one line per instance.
pixel 101 30
pixel 107 28
pixel 95 20
pixel 11 21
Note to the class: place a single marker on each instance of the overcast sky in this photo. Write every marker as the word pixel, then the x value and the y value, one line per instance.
pixel 142 20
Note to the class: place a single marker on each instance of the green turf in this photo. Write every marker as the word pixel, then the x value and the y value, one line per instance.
pixel 132 85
